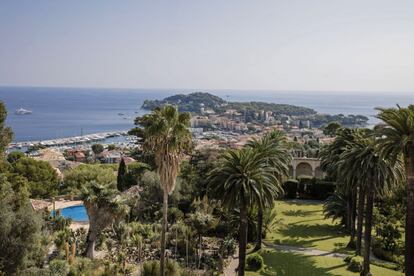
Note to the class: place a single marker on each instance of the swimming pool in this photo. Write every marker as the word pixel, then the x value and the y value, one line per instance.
pixel 76 213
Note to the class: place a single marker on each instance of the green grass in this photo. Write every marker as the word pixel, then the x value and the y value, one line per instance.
pixel 283 263
pixel 301 223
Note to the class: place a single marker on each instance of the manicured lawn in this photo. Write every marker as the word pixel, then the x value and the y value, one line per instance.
pixel 283 263
pixel 301 223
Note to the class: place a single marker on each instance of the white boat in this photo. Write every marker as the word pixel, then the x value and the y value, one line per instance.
pixel 22 111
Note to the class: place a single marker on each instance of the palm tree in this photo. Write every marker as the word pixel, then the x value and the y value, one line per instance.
pixel 273 147
pixel 166 135
pixel 398 138
pixel 348 188
pixel 361 160
pixel 243 179
pixel 104 205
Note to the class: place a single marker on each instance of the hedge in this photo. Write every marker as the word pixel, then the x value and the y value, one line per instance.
pixel 290 187
pixel 308 188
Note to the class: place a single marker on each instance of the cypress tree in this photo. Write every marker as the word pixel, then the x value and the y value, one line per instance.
pixel 122 171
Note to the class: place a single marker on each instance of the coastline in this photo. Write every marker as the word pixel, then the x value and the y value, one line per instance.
pixel 68 141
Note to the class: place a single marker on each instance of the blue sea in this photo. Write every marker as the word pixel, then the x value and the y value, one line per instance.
pixel 66 112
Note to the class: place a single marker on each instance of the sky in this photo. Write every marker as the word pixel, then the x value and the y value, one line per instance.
pixel 318 45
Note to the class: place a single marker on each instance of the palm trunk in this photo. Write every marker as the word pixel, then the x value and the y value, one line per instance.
pixel 351 243
pixel 348 212
pixel 368 229
pixel 409 224
pixel 242 240
pixel 164 231
pixel 360 220
pixel 259 229
pixel 90 247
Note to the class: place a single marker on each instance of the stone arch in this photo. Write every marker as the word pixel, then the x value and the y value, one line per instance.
pixel 304 169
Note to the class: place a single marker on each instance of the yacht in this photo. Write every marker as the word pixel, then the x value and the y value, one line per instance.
pixel 22 111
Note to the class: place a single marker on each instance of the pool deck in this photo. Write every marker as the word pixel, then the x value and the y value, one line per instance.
pixel 69 203
pixel 65 203
pixel 79 224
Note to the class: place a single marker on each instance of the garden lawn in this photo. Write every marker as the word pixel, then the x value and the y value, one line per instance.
pixel 301 223
pixel 291 264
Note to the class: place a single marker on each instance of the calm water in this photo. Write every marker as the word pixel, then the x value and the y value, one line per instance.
pixel 76 213
pixel 64 112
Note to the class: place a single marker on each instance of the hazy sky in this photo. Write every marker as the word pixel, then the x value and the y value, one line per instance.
pixel 360 45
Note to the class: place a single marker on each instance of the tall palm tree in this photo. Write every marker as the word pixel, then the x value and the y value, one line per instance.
pixel 397 137
pixel 166 135
pixel 273 147
pixel 348 188
pixel 104 205
pixel 243 179
pixel 361 160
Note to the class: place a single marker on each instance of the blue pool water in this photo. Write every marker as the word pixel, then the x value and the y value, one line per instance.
pixel 76 213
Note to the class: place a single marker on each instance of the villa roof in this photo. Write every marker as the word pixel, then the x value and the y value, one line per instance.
pixel 49 155
pixel 128 160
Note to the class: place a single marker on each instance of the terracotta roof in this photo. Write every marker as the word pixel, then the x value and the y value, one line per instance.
pixel 128 160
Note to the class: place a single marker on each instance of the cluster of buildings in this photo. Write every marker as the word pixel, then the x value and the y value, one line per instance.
pixel 69 158
pixel 247 122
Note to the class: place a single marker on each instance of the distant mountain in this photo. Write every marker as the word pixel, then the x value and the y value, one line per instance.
pixel 197 101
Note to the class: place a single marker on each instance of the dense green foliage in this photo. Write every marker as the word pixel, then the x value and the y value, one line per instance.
pixel 279 109
pixel 195 101
pixel 331 128
pixel 397 140
pixel 42 178
pixel 104 205
pixel 290 188
pixel 254 262
pixel 6 133
pixel 21 230
pixel 75 180
pixel 97 148
pixel 14 156
pixel 165 134
pixel 308 188
pixel 242 180
pixel 188 103
pixel 355 264
pixel 319 120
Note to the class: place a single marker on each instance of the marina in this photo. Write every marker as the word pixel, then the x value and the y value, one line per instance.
pixel 70 141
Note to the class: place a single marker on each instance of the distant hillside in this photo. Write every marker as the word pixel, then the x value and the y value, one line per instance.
pixel 195 101
pixel 188 103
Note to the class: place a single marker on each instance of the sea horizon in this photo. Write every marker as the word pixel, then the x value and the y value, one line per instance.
pixel 60 112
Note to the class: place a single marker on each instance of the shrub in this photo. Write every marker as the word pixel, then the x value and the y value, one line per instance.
pixel 387 265
pixel 303 187
pixel 290 188
pixel 152 268
pixel 82 266
pixel 174 214
pixel 58 268
pixel 229 246
pixel 388 234
pixel 348 259
pixel 320 189
pixel 254 262
pixel 355 264
pixel 383 254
